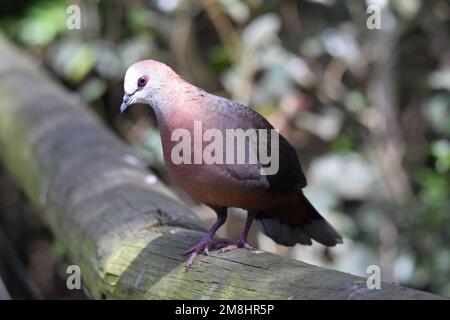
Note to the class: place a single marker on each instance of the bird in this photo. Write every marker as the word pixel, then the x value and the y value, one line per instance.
pixel 276 201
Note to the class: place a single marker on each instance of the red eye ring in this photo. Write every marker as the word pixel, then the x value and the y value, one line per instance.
pixel 142 81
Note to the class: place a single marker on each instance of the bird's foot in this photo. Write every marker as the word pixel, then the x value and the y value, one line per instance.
pixel 203 246
pixel 239 244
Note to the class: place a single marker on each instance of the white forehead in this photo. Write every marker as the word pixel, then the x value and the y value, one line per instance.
pixel 156 71
pixel 131 77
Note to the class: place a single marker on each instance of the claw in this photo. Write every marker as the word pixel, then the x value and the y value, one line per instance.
pixel 240 244
pixel 191 259
pixel 203 246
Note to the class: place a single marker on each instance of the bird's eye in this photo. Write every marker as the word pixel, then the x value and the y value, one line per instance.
pixel 142 81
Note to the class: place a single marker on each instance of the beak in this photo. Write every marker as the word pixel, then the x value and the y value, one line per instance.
pixel 127 99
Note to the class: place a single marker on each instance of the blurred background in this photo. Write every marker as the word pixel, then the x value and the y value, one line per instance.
pixel 368 111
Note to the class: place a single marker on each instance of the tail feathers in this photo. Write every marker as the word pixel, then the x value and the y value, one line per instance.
pixel 322 232
pixel 285 234
pixel 316 228
pixel 289 235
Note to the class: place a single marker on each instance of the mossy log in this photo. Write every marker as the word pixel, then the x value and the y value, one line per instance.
pixel 122 227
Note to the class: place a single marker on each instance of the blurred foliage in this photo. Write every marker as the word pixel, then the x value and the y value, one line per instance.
pixel 367 110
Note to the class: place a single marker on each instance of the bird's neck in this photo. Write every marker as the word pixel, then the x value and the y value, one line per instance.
pixel 174 100
pixel 177 106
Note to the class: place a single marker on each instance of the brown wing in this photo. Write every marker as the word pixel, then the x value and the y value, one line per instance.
pixel 290 175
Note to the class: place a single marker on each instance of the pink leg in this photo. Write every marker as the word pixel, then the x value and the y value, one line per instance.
pixel 207 241
pixel 242 242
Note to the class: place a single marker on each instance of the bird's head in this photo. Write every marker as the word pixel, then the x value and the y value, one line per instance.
pixel 144 81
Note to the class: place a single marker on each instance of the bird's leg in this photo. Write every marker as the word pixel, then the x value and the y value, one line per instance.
pixel 242 242
pixel 207 241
